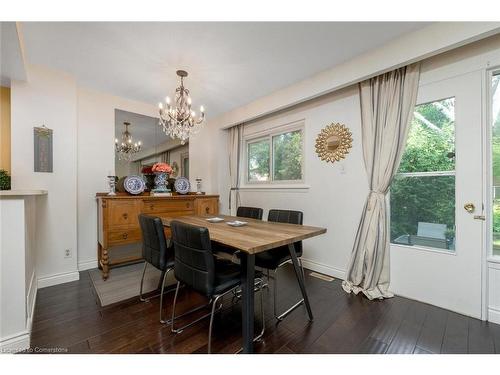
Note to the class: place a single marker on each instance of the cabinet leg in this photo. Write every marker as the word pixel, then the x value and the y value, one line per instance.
pixel 99 256
pixel 104 263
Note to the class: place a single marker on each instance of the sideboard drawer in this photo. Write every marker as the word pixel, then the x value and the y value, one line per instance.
pixel 207 206
pixel 124 236
pixel 123 213
pixel 156 207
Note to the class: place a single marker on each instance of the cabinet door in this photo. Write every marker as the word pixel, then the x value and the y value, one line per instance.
pixel 123 212
pixel 207 206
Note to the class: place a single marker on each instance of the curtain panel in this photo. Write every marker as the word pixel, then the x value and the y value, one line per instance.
pixel 235 137
pixel 387 105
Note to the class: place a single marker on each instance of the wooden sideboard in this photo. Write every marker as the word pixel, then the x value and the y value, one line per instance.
pixel 118 222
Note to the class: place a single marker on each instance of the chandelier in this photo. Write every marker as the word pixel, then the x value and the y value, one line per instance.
pixel 127 147
pixel 180 121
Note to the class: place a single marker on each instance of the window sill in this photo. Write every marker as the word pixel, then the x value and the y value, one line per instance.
pixel 275 187
pixel 493 259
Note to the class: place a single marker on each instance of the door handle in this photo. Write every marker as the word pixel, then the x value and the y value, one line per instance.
pixel 469 207
pixel 479 217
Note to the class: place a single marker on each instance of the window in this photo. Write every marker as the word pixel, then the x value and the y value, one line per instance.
pixel 258 161
pixel 275 157
pixel 495 150
pixel 423 190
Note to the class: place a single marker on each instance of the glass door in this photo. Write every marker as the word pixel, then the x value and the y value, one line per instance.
pixel 436 199
pixel 495 163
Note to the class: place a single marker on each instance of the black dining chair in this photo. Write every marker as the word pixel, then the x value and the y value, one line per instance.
pixel 250 212
pixel 197 267
pixel 156 251
pixel 275 258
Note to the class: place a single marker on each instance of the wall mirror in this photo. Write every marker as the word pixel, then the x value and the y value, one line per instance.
pixel 334 142
pixel 155 146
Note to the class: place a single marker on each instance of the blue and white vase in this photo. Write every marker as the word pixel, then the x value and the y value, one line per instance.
pixel 161 181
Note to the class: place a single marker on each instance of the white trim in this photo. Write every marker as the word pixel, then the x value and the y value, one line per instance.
pixel 494 264
pixel 31 300
pixel 493 315
pixel 87 265
pixel 15 343
pixel 20 192
pixel 426 174
pixel 323 268
pixel 276 187
pixel 61 278
pixel 422 248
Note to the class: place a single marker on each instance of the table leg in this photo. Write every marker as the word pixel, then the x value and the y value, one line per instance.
pixel 247 298
pixel 300 279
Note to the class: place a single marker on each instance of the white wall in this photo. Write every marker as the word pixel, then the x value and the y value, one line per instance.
pixel 335 197
pixel 18 282
pixel 334 194
pixel 83 123
pixel 48 98
pixel 96 158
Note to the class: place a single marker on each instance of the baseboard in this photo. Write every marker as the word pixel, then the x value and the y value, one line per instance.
pixel 31 300
pixel 323 268
pixel 61 278
pixel 15 343
pixel 493 315
pixel 87 265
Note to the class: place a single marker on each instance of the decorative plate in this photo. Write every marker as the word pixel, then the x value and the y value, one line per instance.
pixel 215 219
pixel 134 185
pixel 182 185
pixel 237 223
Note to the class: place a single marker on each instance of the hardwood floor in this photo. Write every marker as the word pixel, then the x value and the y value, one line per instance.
pixel 69 316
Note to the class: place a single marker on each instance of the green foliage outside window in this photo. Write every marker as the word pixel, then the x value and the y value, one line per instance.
pixel 258 161
pixel 287 158
pixel 426 199
pixel 287 154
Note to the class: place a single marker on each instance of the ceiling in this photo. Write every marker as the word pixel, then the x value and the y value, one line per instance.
pixel 229 64
pixel 11 55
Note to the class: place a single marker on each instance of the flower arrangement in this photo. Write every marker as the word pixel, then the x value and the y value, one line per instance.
pixel 161 168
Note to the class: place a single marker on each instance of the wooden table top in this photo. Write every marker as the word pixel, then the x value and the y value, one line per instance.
pixel 255 237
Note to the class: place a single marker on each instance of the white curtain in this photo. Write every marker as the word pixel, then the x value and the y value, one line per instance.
pixel 234 146
pixel 387 104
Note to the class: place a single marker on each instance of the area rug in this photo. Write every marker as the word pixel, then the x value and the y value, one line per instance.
pixel 124 282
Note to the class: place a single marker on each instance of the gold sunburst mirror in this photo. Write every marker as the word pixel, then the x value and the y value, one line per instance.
pixel 334 142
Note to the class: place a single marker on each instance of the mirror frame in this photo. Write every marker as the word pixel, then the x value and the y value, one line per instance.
pixel 345 144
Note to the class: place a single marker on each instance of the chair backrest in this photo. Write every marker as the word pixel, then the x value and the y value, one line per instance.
pixel 250 212
pixel 194 261
pixel 154 243
pixel 290 217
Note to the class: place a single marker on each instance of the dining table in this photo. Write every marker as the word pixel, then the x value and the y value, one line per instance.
pixel 254 237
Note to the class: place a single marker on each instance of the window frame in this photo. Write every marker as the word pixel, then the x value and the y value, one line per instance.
pixel 488 191
pixel 268 135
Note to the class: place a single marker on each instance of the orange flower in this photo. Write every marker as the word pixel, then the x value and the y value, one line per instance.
pixel 162 167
